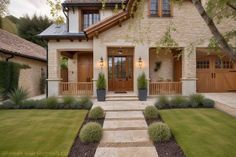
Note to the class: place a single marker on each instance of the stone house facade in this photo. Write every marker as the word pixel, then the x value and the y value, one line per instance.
pixel 18 50
pixel 123 44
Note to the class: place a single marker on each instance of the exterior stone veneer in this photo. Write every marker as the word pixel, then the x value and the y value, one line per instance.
pixel 142 33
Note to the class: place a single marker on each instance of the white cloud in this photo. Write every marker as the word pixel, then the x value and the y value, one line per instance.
pixel 20 8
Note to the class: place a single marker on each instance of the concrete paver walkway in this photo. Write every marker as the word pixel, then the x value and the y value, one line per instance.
pixel 125 131
pixel 224 101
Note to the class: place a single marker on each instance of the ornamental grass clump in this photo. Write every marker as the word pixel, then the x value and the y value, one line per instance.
pixel 151 112
pixel 179 102
pixel 18 96
pixel 159 132
pixel 196 100
pixel 68 101
pixel 162 102
pixel 85 102
pixel 91 132
pixel 96 113
pixel 52 103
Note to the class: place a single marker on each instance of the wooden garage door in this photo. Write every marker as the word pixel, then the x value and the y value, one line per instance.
pixel 215 74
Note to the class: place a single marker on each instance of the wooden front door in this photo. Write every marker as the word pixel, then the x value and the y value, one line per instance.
pixel 215 74
pixel 85 67
pixel 120 72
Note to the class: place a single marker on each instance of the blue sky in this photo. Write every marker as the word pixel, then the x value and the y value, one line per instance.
pixel 20 8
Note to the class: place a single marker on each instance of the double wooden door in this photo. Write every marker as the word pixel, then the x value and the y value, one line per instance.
pixel 120 73
pixel 215 74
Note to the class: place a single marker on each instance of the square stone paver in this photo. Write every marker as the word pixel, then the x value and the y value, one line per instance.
pixel 125 136
pixel 124 124
pixel 124 115
pixel 126 152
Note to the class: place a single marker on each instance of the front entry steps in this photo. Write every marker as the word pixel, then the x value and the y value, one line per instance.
pixel 125 131
pixel 129 96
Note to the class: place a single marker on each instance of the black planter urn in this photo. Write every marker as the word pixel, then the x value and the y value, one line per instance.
pixel 101 94
pixel 142 94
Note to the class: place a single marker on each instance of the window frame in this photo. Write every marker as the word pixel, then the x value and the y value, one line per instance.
pixel 91 11
pixel 160 9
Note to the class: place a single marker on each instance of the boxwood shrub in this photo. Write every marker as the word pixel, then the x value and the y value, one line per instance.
pixel 151 112
pixel 96 113
pixel 91 132
pixel 159 132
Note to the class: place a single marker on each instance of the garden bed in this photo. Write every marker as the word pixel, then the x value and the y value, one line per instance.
pixel 84 149
pixel 169 148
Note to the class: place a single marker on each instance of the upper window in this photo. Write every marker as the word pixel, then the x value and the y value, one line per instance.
pixel 90 18
pixel 160 8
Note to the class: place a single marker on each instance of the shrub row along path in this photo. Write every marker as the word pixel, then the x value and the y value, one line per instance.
pixel 125 131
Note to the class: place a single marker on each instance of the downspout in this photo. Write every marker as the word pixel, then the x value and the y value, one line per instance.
pixel 67 18
pixel 47 71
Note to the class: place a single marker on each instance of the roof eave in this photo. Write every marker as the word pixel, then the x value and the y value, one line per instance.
pixel 22 55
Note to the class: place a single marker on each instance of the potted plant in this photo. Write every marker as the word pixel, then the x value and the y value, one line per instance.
pixel 101 87
pixel 142 87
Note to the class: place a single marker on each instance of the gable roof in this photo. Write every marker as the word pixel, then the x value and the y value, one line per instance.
pixel 110 22
pixel 13 44
pixel 91 3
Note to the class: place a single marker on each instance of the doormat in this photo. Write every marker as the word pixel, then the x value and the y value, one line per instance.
pixel 120 92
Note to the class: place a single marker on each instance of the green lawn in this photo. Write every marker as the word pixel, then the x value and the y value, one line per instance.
pixel 38 133
pixel 203 132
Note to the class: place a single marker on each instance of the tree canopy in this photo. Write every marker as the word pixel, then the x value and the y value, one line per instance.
pixel 29 28
pixel 3 9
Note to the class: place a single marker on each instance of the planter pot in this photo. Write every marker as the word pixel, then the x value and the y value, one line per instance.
pixel 101 94
pixel 142 94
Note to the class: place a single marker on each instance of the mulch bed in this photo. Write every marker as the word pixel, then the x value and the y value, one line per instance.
pixel 80 149
pixel 169 148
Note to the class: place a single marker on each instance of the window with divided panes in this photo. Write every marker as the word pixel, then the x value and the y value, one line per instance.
pixel 160 8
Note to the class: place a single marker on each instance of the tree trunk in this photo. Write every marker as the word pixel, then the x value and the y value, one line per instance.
pixel 218 36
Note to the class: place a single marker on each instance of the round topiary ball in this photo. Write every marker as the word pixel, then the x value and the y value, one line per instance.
pixel 208 103
pixel 91 132
pixel 151 112
pixel 96 113
pixel 159 132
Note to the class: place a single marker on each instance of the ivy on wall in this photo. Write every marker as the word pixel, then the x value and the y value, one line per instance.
pixel 10 72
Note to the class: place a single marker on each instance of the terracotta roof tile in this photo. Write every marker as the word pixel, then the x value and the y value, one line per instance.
pixel 14 44
pixel 92 1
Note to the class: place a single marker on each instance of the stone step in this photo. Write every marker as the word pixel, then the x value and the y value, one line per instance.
pixel 126 138
pixel 122 115
pixel 126 152
pixel 122 99
pixel 121 106
pixel 125 125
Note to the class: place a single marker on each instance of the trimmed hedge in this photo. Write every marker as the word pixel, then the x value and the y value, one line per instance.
pixel 11 73
pixel 91 132
pixel 50 103
pixel 194 101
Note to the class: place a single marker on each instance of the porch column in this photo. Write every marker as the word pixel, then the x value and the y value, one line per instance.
pixel 189 72
pixel 99 50
pixel 143 52
pixel 54 76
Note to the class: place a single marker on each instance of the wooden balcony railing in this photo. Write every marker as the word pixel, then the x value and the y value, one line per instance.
pixel 168 88
pixel 76 88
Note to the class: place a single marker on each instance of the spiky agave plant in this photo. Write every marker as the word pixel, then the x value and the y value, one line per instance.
pixel 18 96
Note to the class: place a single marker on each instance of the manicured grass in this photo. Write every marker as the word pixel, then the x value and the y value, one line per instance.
pixel 203 132
pixel 38 133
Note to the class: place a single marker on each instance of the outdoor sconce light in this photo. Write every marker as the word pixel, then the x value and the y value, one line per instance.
pixel 140 62
pixel 101 62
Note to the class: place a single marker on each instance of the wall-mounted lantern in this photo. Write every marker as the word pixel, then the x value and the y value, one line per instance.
pixel 140 62
pixel 101 62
